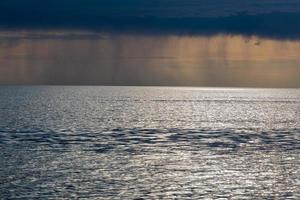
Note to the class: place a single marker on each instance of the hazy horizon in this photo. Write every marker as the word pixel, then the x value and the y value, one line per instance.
pixel 101 58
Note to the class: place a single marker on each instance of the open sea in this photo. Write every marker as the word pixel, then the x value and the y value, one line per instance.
pixel 94 142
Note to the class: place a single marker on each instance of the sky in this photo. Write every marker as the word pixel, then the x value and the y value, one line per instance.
pixel 230 43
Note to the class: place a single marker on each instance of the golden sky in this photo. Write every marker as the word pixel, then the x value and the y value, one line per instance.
pixel 135 59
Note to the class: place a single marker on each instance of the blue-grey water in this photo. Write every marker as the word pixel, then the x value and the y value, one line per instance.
pixel 149 143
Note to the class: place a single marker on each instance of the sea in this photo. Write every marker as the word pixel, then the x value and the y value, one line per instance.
pixel 104 142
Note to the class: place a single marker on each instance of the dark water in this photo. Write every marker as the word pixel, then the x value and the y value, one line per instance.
pixel 150 143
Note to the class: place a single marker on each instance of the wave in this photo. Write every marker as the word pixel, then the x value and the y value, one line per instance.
pixel 108 140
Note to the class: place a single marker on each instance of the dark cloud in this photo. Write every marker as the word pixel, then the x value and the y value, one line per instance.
pixel 6 36
pixel 269 18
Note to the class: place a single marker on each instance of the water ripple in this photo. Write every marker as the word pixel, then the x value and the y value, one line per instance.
pixel 228 138
pixel 62 143
pixel 150 164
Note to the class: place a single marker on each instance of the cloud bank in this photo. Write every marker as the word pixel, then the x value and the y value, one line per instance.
pixel 272 18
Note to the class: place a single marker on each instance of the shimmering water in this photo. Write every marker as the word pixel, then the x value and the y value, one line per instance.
pixel 149 143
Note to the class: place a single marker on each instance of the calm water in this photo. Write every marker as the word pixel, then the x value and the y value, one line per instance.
pixel 149 143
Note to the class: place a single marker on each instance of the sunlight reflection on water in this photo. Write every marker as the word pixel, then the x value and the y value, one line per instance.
pixel 151 143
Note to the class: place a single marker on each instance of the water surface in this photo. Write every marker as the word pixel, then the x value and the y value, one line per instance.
pixel 149 142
